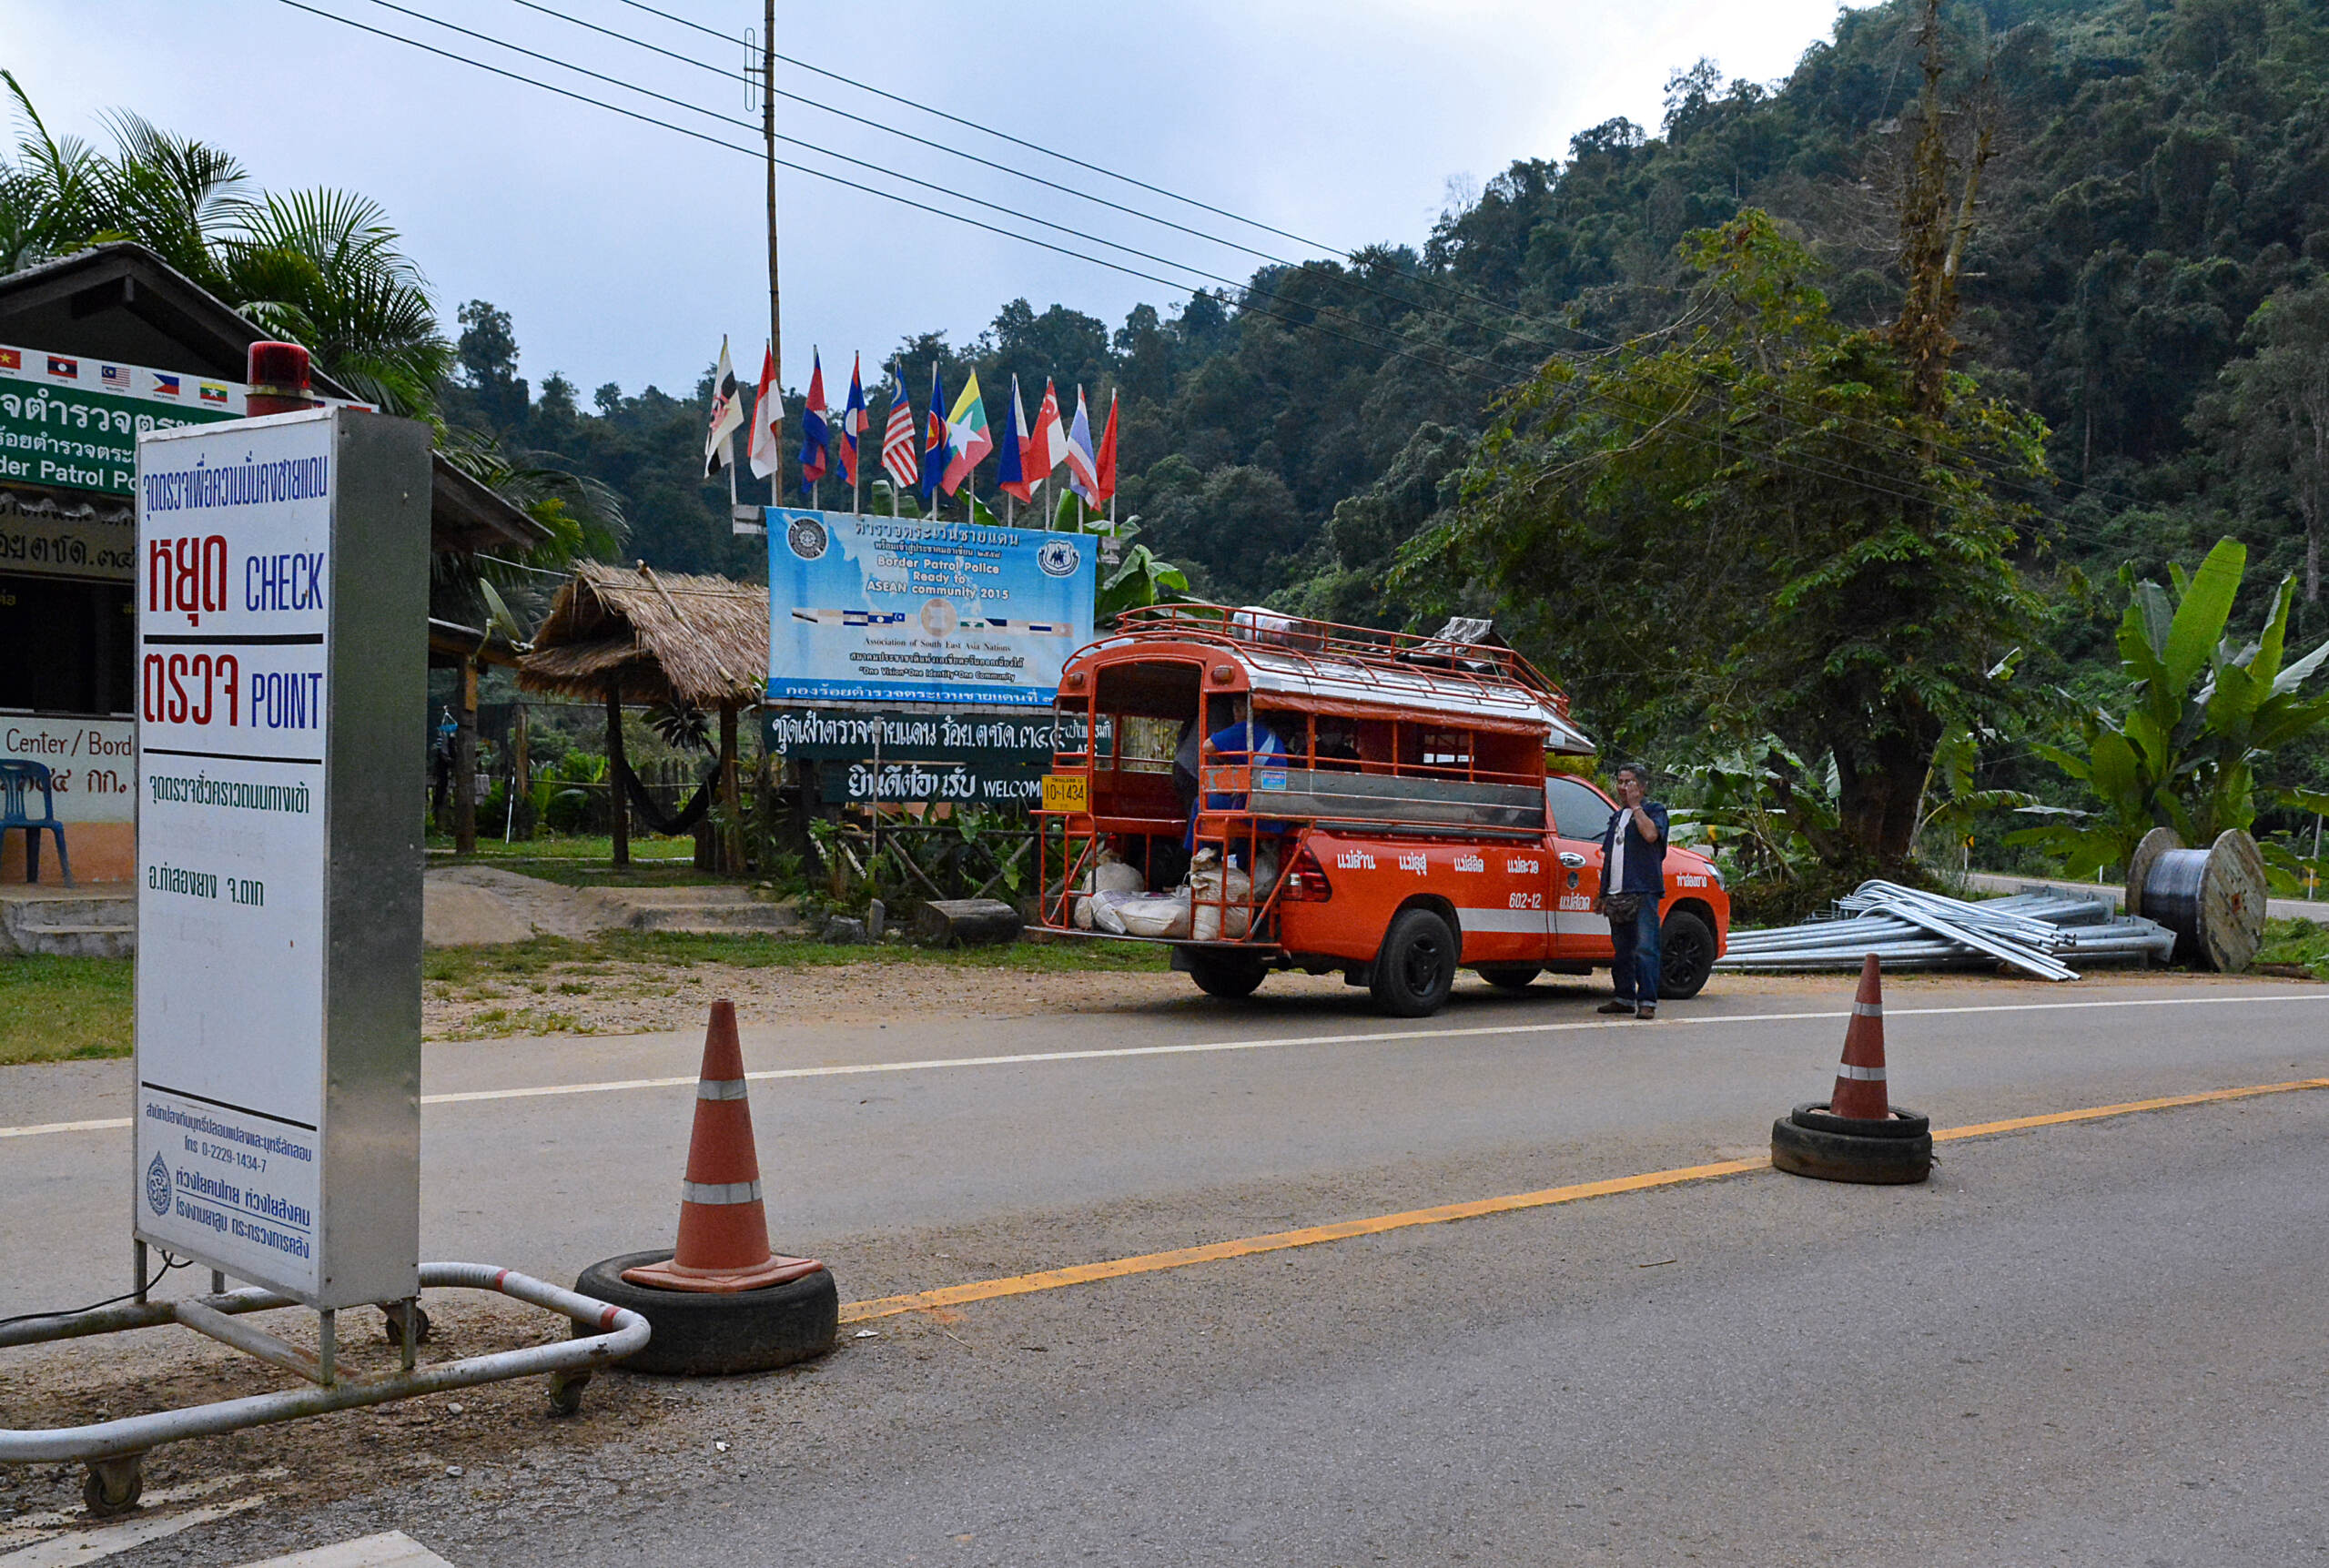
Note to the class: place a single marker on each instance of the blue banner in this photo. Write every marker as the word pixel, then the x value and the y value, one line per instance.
pixel 866 609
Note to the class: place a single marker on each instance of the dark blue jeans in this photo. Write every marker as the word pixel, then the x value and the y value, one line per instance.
pixel 1635 967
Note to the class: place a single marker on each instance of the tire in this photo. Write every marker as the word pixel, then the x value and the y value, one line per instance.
pixel 1685 956
pixel 1227 976
pixel 701 1333
pixel 1511 977
pixel 1902 1123
pixel 1841 1157
pixel 1415 970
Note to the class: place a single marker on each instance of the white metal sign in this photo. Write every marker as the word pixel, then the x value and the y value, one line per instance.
pixel 281 583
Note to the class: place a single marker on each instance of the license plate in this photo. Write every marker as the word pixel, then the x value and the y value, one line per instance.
pixel 1067 792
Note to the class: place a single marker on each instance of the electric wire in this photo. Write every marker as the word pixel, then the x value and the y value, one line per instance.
pixel 168 1263
pixel 1456 285
pixel 1839 471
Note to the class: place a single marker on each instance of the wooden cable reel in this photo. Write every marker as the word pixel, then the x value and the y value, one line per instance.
pixel 2214 899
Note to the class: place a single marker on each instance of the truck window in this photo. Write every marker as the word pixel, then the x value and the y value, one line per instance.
pixel 1579 811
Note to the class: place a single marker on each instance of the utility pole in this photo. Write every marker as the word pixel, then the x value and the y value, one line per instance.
pixel 768 139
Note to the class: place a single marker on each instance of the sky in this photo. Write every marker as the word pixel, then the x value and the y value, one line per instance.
pixel 623 251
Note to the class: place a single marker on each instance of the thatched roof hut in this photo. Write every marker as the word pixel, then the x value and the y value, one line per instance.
pixel 652 636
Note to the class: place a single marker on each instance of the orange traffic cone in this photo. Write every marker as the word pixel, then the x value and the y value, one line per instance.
pixel 1860 1092
pixel 722 1227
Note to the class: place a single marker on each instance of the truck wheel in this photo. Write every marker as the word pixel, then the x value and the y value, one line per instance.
pixel 1511 977
pixel 1685 956
pixel 1229 976
pixel 1416 968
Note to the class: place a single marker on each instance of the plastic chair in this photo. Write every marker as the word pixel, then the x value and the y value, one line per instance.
pixel 17 782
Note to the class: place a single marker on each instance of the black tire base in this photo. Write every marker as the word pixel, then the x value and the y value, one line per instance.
pixel 1902 1123
pixel 1877 1161
pixel 708 1334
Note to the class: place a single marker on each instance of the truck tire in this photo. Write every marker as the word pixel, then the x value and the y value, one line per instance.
pixel 1229 976
pixel 1510 977
pixel 1416 968
pixel 700 1333
pixel 1685 956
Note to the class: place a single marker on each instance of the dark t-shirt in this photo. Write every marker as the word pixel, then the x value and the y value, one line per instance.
pixel 1645 861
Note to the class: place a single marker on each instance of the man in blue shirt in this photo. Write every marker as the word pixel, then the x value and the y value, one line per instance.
pixel 1633 882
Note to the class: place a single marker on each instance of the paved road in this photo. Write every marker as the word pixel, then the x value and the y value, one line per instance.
pixel 2096 1342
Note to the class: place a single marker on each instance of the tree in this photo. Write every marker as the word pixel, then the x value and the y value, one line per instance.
pixel 1749 521
pixel 2270 413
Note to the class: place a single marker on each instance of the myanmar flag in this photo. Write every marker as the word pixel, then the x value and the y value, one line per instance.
pixel 967 441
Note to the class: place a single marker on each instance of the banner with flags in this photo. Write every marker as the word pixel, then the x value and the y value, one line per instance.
pixel 816 437
pixel 852 424
pixel 727 415
pixel 1010 472
pixel 967 442
pixel 898 458
pixel 767 446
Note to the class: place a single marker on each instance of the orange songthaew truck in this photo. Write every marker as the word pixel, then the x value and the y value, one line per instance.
pixel 1264 792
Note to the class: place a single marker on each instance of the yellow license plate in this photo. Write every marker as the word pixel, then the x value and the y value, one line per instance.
pixel 1067 792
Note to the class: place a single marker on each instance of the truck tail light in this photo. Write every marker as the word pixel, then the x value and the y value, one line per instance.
pixel 1306 881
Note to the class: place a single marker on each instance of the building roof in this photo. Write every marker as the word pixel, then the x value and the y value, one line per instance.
pixel 120 301
pixel 663 636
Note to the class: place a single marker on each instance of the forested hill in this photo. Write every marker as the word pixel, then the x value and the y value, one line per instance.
pixel 2159 169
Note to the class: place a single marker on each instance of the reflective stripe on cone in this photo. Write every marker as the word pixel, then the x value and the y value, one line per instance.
pixel 1860 1092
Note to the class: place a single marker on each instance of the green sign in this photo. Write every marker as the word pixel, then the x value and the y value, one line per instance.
pixel 73 422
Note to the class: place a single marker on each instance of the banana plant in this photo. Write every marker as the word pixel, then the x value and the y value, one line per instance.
pixel 2202 714
pixel 1144 579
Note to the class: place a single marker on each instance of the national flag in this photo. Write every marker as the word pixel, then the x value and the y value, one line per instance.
pixel 165 386
pixel 70 369
pixel 214 392
pixel 897 438
pixel 1083 468
pixel 1104 462
pixel 727 415
pixel 1010 473
pixel 816 436
pixel 11 359
pixel 766 448
pixel 1046 444
pixel 934 437
pixel 114 375
pixel 967 441
pixel 852 424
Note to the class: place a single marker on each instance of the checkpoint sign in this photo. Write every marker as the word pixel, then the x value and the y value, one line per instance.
pixel 282 596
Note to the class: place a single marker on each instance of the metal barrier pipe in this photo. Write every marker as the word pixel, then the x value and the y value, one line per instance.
pixel 619 1332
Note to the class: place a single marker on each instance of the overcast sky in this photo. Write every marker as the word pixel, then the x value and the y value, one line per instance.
pixel 623 251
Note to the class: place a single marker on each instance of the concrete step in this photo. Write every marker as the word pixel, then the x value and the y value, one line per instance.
pixel 714 918
pixel 100 909
pixel 66 924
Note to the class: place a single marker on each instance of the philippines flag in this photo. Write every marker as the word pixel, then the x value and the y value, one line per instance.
pixel 767 448
pixel 934 437
pixel 897 438
pixel 1010 472
pixel 1046 444
pixel 815 433
pixel 165 386
pixel 852 424
pixel 1083 468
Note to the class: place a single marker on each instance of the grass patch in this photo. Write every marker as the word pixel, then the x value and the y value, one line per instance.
pixel 542 956
pixel 2304 943
pixel 65 1009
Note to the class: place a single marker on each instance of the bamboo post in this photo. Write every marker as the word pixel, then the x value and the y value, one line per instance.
pixel 731 841
pixel 621 812
pixel 465 760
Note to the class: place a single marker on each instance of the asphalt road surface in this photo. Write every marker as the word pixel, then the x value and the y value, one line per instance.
pixel 2099 1341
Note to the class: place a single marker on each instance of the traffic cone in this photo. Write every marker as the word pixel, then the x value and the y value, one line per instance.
pixel 722 1227
pixel 1859 1094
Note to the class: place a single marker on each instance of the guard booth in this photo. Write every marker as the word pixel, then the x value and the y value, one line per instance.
pixel 96 347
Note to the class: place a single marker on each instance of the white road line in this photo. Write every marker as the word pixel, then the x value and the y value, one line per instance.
pixel 1202 1048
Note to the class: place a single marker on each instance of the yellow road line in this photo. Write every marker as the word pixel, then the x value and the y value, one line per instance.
pixel 1446 1213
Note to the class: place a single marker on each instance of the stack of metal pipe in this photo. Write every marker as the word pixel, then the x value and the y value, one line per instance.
pixel 2030 932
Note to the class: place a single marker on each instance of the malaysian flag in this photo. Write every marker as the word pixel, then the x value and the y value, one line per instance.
pixel 114 375
pixel 898 461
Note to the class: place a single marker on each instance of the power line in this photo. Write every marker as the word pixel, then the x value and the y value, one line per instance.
pixel 1840 472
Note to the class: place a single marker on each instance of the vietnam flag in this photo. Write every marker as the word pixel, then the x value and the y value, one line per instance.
pixel 1104 465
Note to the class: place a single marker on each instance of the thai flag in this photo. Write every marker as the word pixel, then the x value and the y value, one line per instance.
pixel 1083 466
pixel 815 433
pixel 853 423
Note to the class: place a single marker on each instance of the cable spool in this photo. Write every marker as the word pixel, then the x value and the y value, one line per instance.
pixel 2214 899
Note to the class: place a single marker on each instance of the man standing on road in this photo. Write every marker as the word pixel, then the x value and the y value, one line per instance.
pixel 1632 881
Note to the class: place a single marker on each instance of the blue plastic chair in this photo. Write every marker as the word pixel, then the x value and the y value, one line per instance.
pixel 17 782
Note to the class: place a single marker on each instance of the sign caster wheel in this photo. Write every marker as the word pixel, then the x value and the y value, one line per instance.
pixel 112 1487
pixel 566 1392
pixel 393 1329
